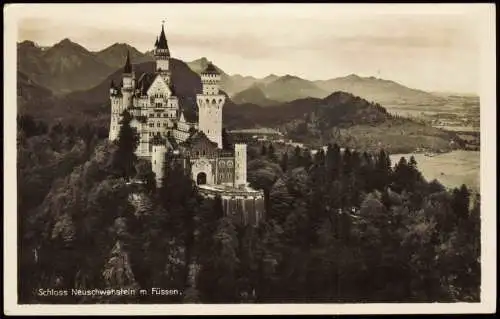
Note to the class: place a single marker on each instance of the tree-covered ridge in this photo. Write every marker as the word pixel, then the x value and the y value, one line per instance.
pixel 343 118
pixel 340 226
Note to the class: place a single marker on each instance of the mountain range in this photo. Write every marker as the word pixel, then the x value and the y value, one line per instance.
pixel 66 82
pixel 67 67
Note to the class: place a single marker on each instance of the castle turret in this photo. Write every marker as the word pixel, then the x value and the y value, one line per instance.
pixel 158 162
pixel 116 109
pixel 162 55
pixel 128 83
pixel 210 104
pixel 112 87
pixel 240 167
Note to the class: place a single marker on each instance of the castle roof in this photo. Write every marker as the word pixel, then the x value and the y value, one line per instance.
pixel 197 137
pixel 190 116
pixel 128 67
pixel 172 89
pixel 210 69
pixel 162 42
pixel 145 81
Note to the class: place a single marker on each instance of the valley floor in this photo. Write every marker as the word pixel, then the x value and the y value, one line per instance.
pixel 451 169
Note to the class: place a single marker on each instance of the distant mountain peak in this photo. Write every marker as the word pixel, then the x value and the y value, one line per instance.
pixel 288 77
pixel 28 43
pixel 353 76
pixel 201 61
pixel 119 45
pixel 270 78
pixel 66 41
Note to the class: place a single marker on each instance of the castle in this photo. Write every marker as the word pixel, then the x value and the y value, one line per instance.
pixel 164 128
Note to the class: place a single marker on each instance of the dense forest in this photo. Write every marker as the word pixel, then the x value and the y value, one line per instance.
pixel 341 226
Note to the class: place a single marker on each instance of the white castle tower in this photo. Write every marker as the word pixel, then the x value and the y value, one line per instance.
pixel 210 104
pixel 116 102
pixel 128 84
pixel 158 162
pixel 162 56
pixel 121 98
pixel 240 169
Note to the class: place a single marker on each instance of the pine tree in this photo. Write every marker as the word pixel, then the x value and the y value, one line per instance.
pixel 271 153
pixel 217 281
pixel 401 175
pixel 128 140
pixel 461 202
pixel 284 162
pixel 296 159
pixel 383 170
pixel 306 159
pixel 333 161
pixel 319 157
pixel 263 150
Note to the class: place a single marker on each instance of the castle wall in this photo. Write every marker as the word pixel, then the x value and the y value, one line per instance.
pixel 210 116
pixel 204 165
pixel 158 162
pixel 244 210
pixel 180 136
pixel 240 156
pixel 225 170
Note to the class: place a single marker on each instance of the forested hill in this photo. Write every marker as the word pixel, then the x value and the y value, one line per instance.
pixel 29 90
pixel 342 226
pixel 342 118
pixel 339 108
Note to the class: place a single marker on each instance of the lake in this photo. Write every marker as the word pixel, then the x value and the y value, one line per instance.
pixel 451 169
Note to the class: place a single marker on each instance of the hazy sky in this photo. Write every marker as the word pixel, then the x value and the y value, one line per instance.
pixel 431 47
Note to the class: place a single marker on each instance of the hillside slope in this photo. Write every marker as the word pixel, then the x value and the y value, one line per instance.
pixel 253 94
pixel 64 67
pixel 116 54
pixel 30 92
pixel 386 92
pixel 343 118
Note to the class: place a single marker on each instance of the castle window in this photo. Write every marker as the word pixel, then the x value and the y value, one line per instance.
pixel 158 124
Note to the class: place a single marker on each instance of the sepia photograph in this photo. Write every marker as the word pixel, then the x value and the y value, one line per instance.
pixel 249 158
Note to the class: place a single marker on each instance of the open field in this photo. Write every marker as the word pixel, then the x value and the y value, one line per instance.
pixel 450 169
